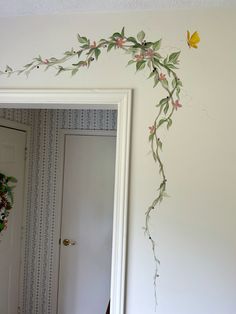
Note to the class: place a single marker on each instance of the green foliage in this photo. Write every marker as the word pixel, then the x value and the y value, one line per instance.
pixel 141 36
pixel 140 65
pixel 82 40
pixel 97 52
pixel 157 45
pixel 163 102
pixel 169 123
pixel 173 58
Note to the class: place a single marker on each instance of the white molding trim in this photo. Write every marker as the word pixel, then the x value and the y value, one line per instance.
pixel 58 98
pixel 119 99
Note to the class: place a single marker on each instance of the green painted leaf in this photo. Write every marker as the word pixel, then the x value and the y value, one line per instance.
pixel 68 53
pixel 165 83
pixel 151 136
pixel 161 122
pixel 28 65
pixel 131 62
pixel 171 66
pixel 157 56
pixel 141 36
pixel 156 45
pixel 97 52
pixel 52 59
pixel 168 71
pixel 173 58
pixel 165 60
pixel 149 64
pixel 132 39
pixel 82 40
pixel 137 46
pixel 74 71
pixel 140 65
pixel 39 59
pixel 110 46
pixel 179 82
pixel 162 102
pixel 151 74
pixel 169 123
pixel 174 83
pixel 132 50
pixel 156 81
pixel 156 62
pixel 60 69
pixel 79 53
pixel 85 46
pixel 177 92
pixel 123 32
pixel 166 108
pixel 19 72
pixel 115 35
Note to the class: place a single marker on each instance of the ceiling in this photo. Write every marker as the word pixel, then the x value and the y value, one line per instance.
pixel 43 7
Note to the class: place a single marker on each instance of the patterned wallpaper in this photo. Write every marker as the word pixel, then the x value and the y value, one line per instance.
pixel 40 232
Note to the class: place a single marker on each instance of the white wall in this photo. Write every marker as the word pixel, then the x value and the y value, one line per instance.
pixel 196 227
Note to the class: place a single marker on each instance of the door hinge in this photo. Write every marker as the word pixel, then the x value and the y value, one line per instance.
pixel 60 241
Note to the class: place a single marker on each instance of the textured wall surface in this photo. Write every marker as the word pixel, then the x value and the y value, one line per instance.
pixel 40 229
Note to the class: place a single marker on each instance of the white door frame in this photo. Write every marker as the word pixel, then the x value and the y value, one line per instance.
pixel 119 99
pixel 25 128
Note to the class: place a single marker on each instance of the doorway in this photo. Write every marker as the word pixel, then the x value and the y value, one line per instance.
pixel 120 101
pixel 86 221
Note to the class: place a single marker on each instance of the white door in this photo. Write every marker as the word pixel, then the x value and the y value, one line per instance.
pixel 87 214
pixel 12 163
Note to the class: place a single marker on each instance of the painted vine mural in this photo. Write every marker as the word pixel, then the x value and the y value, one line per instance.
pixel 143 54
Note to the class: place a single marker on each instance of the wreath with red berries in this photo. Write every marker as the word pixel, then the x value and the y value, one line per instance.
pixel 6 199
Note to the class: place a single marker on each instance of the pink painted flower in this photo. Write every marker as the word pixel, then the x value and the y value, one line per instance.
pixel 176 104
pixel 120 42
pixel 149 53
pixel 46 61
pixel 162 77
pixel 94 45
pixel 139 57
pixel 152 129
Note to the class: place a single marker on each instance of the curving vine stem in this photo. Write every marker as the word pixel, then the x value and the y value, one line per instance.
pixel 144 55
pixel 164 116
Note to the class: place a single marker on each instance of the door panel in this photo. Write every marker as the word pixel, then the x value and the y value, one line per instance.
pixel 87 213
pixel 12 163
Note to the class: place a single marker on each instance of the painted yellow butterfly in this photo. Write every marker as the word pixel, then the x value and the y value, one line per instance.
pixel 193 40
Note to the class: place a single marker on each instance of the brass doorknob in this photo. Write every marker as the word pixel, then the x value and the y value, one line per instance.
pixel 68 242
